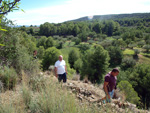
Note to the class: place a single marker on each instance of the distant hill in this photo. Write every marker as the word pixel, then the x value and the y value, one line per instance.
pixel 114 16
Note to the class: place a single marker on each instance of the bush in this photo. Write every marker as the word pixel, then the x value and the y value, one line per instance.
pixel 25 62
pixel 56 99
pixel 78 65
pixel 147 47
pixel 18 51
pixel 74 55
pixel 37 82
pixel 130 93
pixel 116 55
pixel 128 63
pixel 8 77
pixel 50 57
pixel 40 52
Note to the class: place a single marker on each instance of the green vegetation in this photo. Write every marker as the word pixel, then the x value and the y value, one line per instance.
pixel 128 52
pixel 130 93
pixel 90 49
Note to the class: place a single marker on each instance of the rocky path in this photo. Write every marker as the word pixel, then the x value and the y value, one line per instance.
pixel 87 92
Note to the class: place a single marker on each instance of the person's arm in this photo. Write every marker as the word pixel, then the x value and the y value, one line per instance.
pixel 106 90
pixel 56 72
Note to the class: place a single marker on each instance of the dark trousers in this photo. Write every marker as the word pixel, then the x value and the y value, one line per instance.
pixel 62 77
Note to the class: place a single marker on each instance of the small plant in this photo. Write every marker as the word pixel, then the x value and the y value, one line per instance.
pixel 8 77
pixel 37 82
pixel 26 94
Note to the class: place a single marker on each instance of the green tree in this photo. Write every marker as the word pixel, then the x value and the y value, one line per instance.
pixel 47 29
pixel 73 56
pixel 31 31
pixel 42 41
pixel 128 63
pixel 116 56
pixel 147 47
pixel 97 28
pixel 95 64
pixel 139 79
pixel 83 36
pixel 50 57
pixel 18 51
pixel 130 94
pixel 78 65
pixel 40 52
pixel 147 39
pixel 83 47
pixel 76 30
pixel 49 42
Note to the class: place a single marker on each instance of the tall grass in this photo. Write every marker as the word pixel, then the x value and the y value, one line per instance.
pixel 51 97
pixel 8 77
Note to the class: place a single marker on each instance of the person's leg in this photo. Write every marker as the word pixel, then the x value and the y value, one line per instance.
pixel 59 77
pixel 111 94
pixel 64 78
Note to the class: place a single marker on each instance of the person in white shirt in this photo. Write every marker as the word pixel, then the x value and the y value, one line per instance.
pixel 61 69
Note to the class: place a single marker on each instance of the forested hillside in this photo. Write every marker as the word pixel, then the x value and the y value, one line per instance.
pixel 91 48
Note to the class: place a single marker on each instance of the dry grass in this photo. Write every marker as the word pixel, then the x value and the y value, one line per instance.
pixel 52 97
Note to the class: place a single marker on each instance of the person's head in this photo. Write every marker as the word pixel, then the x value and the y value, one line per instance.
pixel 115 72
pixel 35 52
pixel 60 57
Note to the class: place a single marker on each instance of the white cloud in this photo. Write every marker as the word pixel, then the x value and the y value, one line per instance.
pixel 74 9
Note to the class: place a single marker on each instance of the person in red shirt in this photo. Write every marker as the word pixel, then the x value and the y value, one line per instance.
pixel 110 85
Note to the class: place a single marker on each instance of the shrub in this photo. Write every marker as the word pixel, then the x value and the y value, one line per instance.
pixel 56 99
pixel 147 47
pixel 18 51
pixel 128 63
pixel 8 77
pixel 74 55
pixel 50 57
pixel 37 82
pixel 25 62
pixel 116 55
pixel 78 65
pixel 130 93
pixel 40 52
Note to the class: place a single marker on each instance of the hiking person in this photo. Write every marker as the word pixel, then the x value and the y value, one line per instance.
pixel 35 54
pixel 110 85
pixel 61 69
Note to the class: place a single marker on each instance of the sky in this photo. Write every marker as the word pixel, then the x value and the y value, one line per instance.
pixel 38 12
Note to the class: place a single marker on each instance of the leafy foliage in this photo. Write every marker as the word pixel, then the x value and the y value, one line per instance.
pixel 130 93
pixel 50 57
pixel 8 77
pixel 73 57
pixel 116 56
pixel 128 63
pixel 140 82
pixel 95 63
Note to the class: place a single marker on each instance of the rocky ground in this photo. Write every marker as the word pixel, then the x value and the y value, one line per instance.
pixel 85 92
